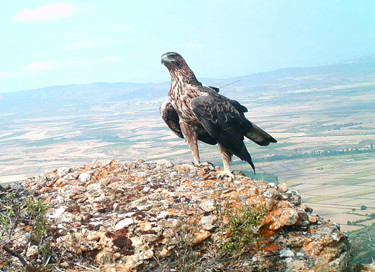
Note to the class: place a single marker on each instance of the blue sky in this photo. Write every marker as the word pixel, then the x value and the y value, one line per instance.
pixel 46 43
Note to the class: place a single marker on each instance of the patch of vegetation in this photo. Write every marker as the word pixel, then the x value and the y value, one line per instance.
pixel 238 226
pixel 187 256
pixel 363 244
pixel 25 217
pixel 242 228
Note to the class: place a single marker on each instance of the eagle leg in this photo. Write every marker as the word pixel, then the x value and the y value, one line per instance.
pixel 191 138
pixel 226 157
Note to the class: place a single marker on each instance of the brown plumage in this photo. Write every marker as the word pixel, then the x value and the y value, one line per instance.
pixel 196 112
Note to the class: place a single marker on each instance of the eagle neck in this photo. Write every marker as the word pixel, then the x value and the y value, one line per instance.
pixel 184 75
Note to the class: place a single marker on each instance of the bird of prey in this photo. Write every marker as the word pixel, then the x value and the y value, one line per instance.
pixel 197 112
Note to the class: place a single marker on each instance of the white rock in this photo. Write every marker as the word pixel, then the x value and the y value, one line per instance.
pixel 145 207
pixel 63 171
pixel 32 251
pixel 123 223
pixel 129 214
pixel 137 241
pixel 168 164
pixel 148 254
pixel 58 212
pixel 207 222
pixel 286 253
pixel 83 177
pixel 162 214
pixel 208 206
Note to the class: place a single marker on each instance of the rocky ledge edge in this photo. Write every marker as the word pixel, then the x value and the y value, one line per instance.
pixel 138 216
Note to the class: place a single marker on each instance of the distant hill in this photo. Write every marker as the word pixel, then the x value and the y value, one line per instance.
pixel 77 97
pixel 60 100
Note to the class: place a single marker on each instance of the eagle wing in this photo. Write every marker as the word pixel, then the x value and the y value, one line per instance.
pixel 252 131
pixel 170 117
pixel 223 122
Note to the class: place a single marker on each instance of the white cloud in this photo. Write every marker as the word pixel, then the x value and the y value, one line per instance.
pixel 36 66
pixel 44 13
pixel 4 74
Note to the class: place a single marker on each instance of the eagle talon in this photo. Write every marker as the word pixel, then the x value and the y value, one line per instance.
pixel 200 164
pixel 225 174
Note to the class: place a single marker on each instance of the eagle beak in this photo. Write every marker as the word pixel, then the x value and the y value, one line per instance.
pixel 164 59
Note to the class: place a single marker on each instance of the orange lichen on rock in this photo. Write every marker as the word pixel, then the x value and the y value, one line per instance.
pixel 136 216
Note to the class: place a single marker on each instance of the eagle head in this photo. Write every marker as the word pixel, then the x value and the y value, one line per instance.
pixel 178 68
pixel 173 60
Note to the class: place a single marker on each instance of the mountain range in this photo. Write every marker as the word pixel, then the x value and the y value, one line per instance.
pixel 81 98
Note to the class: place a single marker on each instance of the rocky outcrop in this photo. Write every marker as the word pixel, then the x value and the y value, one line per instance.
pixel 138 216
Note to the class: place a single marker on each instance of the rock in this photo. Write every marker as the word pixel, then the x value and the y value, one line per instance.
pixel 148 254
pixel 124 223
pixel 284 217
pixel 32 252
pixel 142 215
pixel 104 257
pixel 164 252
pixel 58 212
pixel 168 164
pixel 286 253
pixel 295 198
pixel 306 208
pixel 172 223
pixel 64 264
pixel 208 205
pixel 313 218
pixel 93 237
pixel 116 256
pixel 283 187
pixel 272 193
pixel 84 177
pixel 207 222
pixel 203 235
pixel 137 241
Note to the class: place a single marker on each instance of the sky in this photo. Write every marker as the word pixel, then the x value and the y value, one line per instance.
pixel 48 43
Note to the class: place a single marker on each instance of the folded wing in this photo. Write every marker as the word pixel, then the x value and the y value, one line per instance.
pixel 223 123
pixel 170 117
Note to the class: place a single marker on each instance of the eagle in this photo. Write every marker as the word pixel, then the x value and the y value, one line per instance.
pixel 197 112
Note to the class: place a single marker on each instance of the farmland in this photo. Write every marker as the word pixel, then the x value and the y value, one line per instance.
pixel 325 127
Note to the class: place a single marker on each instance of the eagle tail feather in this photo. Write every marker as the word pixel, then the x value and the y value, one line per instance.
pixel 245 156
pixel 259 136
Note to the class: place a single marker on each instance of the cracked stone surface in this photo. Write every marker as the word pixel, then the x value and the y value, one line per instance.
pixel 128 216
